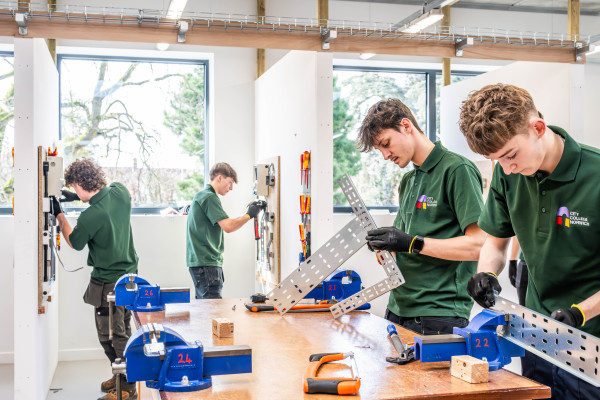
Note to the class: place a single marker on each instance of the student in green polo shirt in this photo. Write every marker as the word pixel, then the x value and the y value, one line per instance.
pixel 106 230
pixel 206 222
pixel 435 234
pixel 545 191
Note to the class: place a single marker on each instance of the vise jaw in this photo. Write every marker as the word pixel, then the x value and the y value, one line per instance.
pixel 137 294
pixel 162 358
pixel 479 339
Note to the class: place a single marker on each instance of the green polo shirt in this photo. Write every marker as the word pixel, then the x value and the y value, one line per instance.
pixel 105 227
pixel 204 243
pixel 557 223
pixel 438 199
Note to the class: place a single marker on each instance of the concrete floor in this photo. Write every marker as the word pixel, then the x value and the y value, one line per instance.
pixel 74 380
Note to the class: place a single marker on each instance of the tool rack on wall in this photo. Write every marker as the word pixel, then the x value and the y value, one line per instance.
pixel 267 235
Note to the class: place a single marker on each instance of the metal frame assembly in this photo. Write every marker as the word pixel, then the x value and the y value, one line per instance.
pixel 333 254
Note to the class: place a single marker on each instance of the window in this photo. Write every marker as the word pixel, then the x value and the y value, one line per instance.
pixel 354 91
pixel 142 120
pixel 6 130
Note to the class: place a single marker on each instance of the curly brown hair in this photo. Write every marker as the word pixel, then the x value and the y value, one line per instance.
pixel 385 114
pixel 223 169
pixel 494 114
pixel 86 173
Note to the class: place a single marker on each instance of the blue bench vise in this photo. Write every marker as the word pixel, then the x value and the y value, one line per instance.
pixel 137 294
pixel 165 361
pixel 479 339
pixel 338 286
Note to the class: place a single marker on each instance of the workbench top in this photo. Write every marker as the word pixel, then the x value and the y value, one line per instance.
pixel 281 347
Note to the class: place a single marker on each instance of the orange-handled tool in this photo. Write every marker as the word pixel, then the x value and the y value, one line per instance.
pixel 302 205
pixel 301 232
pixel 307 205
pixel 313 384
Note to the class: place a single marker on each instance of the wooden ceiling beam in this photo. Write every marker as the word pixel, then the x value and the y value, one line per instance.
pixel 254 38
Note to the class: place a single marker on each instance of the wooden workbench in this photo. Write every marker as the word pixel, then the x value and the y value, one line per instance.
pixel 281 347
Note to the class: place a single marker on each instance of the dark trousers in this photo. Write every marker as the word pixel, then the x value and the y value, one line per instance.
pixel 208 282
pixel 427 325
pixel 564 386
pixel 121 330
pixel 521 281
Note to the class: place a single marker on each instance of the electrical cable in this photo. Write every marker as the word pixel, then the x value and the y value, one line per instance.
pixel 56 248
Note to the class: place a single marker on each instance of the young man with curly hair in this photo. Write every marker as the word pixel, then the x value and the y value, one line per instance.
pixel 206 222
pixel 435 233
pixel 545 191
pixel 105 228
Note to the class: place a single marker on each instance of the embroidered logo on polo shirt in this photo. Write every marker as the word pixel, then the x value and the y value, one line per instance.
pixel 423 202
pixel 567 218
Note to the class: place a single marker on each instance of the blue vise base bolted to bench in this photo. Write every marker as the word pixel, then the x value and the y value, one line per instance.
pixel 162 358
pixel 137 294
pixel 479 339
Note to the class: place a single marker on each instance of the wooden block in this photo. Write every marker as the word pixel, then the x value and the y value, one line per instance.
pixel 222 327
pixel 469 369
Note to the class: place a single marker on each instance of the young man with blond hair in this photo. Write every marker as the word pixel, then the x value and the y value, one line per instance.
pixel 435 234
pixel 545 191
pixel 206 222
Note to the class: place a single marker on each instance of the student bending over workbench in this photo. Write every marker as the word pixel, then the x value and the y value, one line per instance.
pixel 435 234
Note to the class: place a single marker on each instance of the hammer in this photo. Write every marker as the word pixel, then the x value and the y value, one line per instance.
pixel 405 353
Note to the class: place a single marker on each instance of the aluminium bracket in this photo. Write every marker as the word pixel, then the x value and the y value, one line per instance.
pixel 327 36
pixel 581 51
pixel 21 20
pixel 182 28
pixel 345 243
pixel 463 43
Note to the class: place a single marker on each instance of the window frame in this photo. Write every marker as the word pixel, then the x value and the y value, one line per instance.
pixel 7 210
pixel 430 97
pixel 165 60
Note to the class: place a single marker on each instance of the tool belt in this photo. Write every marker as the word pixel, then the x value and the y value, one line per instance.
pixel 93 293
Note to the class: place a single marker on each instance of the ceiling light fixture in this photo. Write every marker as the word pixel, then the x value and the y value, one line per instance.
pixel 162 46
pixel 366 56
pixel 176 8
pixel 424 21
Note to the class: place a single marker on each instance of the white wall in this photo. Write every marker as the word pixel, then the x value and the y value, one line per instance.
pixel 36 124
pixel 591 135
pixel 557 90
pixel 7 232
pixel 294 112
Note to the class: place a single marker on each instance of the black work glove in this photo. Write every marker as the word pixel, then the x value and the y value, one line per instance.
pixel 481 288
pixel 570 316
pixel 68 196
pixel 254 208
pixel 55 206
pixel 389 238
pixel 512 272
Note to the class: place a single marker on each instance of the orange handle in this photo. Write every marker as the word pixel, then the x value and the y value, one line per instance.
pixel 307 206
pixel 301 232
pixel 302 205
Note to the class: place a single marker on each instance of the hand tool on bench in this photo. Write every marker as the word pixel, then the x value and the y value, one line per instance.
pixel 137 294
pixel 509 329
pixel 405 353
pixel 321 306
pixel 165 361
pixel 329 385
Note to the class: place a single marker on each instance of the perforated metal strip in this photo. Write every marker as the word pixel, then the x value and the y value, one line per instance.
pixel 318 267
pixel 571 349
pixel 386 260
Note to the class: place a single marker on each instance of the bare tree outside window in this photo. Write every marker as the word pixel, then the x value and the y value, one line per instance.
pixel 142 121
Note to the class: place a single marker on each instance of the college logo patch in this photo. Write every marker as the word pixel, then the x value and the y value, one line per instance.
pixel 423 202
pixel 562 217
pixel 568 219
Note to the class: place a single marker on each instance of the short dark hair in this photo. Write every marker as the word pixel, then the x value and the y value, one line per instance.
pixel 494 114
pixel 86 173
pixel 385 114
pixel 223 169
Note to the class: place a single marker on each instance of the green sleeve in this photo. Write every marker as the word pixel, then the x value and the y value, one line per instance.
pixel 213 209
pixel 398 221
pixel 495 218
pixel 80 236
pixel 465 194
